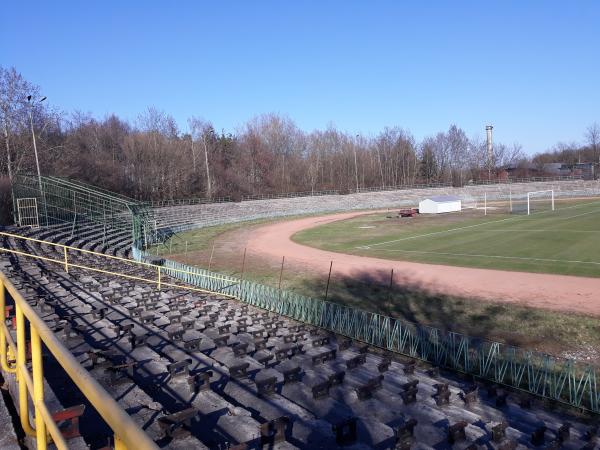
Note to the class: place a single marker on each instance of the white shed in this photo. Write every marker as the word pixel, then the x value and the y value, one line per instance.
pixel 439 204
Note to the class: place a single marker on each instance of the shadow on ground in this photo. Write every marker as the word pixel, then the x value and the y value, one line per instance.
pixel 538 329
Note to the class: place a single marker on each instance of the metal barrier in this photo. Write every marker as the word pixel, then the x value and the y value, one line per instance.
pixel 559 379
pixel 187 201
pixel 274 196
pixel 65 201
pixel 528 180
pixel 402 187
pixel 127 434
pixel 13 357
pixel 153 268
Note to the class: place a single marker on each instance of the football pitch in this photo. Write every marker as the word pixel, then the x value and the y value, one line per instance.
pixel 564 241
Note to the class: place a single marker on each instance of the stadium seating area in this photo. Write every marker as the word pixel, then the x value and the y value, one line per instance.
pixel 178 218
pixel 205 371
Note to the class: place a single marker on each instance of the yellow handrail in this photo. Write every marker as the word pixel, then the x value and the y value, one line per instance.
pixel 103 255
pixel 64 261
pixel 13 355
pixel 127 433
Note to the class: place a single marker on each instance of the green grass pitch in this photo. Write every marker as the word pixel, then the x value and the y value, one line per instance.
pixel 565 241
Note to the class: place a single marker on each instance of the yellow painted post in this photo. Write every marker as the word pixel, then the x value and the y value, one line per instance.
pixel 3 345
pixel 119 444
pixel 158 278
pixel 66 260
pixel 3 356
pixel 129 435
pixel 3 362
pixel 21 360
pixel 38 387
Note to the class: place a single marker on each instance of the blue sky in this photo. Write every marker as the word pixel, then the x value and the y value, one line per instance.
pixel 532 69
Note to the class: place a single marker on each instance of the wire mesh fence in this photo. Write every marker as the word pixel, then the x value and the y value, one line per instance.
pixel 62 201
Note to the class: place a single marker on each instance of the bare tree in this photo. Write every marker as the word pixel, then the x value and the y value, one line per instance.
pixel 14 90
pixel 592 134
pixel 203 130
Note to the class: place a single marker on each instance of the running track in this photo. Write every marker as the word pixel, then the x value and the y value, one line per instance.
pixel 558 292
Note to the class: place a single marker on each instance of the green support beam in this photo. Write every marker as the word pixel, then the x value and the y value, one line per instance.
pixel 61 201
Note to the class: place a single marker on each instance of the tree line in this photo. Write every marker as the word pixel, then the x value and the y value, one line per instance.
pixel 152 158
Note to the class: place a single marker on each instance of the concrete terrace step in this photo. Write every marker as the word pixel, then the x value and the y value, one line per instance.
pixel 8 436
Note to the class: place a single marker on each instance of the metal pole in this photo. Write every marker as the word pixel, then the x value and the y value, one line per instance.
pixel 211 256
pixel 38 387
pixel 356 165
pixel 281 271
pixel 485 204
pixel 4 350
pixel 66 259
pixel 328 280
pixel 37 162
pixel 186 245
pixel 21 365
pixel 391 285
pixel 243 264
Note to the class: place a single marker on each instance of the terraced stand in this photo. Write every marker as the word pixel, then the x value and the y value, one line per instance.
pixel 199 370
pixel 179 218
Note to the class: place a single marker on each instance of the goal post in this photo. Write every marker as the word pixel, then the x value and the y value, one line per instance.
pixel 537 196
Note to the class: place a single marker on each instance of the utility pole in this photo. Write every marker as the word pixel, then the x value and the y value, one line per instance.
pixel 37 161
pixel 490 149
pixel 356 163
pixel 208 184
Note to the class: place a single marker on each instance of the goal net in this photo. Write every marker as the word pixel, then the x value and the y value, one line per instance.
pixel 533 202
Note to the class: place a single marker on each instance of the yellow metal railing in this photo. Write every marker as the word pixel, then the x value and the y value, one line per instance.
pixel 13 355
pixel 66 263
pixel 13 359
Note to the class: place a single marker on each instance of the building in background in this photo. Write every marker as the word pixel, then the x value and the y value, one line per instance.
pixel 440 204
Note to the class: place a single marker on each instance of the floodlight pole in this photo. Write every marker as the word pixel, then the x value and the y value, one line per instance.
pixel 356 164
pixel 37 161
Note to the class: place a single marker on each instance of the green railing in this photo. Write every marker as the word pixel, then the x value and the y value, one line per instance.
pixel 551 377
pixel 61 201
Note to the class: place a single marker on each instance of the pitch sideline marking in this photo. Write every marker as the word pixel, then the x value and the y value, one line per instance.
pixel 537 230
pixel 483 223
pixel 492 256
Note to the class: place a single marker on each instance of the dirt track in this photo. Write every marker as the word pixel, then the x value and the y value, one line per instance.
pixel 558 292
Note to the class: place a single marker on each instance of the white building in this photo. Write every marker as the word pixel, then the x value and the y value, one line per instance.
pixel 439 204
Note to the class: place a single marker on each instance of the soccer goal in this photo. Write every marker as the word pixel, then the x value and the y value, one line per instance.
pixel 532 202
pixel 540 201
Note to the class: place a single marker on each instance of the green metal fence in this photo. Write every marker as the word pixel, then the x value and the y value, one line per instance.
pixel 61 201
pixel 559 379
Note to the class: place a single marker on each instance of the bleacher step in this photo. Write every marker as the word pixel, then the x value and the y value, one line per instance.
pixel 8 436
